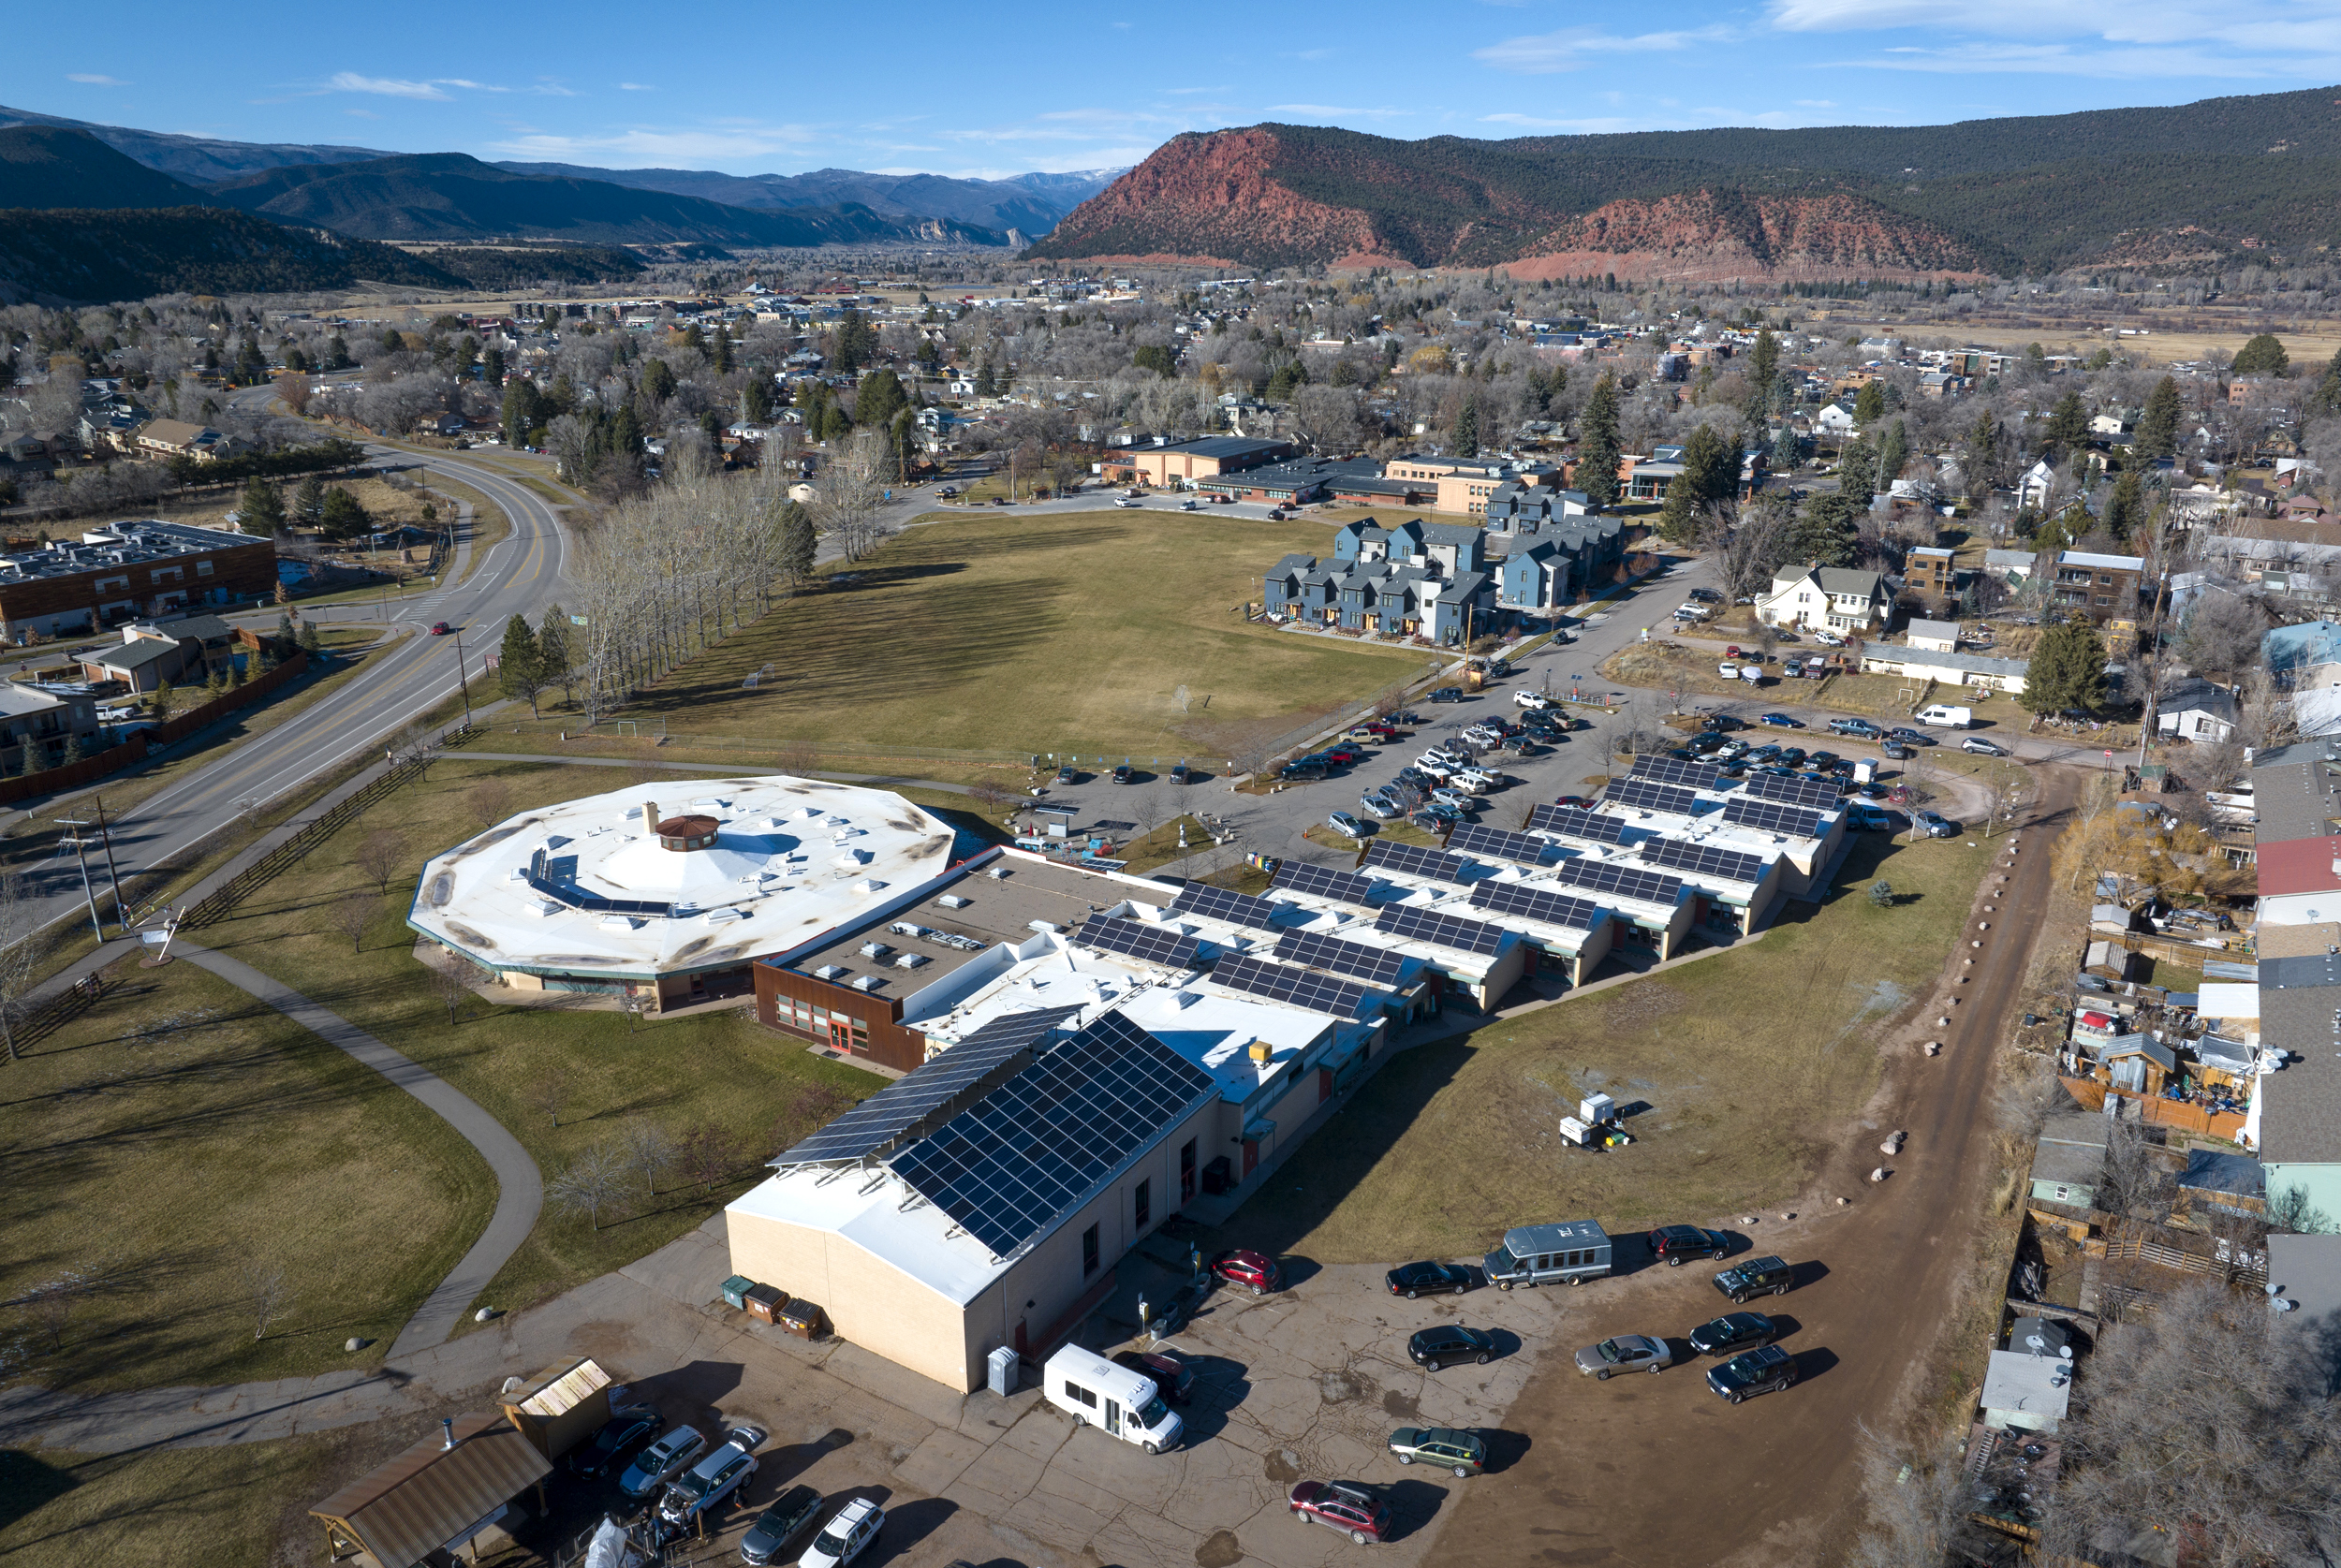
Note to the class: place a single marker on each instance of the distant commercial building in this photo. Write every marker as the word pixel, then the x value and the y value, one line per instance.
pixel 1168 463
pixel 130 571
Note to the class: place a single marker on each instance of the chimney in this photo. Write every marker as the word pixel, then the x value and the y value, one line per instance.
pixel 447 1423
pixel 650 819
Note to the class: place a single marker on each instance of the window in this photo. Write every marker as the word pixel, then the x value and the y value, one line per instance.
pixel 1089 1252
pixel 202 569
pixel 1186 1171
pixel 1145 1204
pixel 1076 1392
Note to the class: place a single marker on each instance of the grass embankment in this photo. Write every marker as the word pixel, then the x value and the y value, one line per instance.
pixel 180 1133
pixel 713 1077
pixel 1740 1064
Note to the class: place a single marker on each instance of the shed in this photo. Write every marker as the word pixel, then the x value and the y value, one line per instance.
pixel 2024 1390
pixel 2071 1153
pixel 2235 1183
pixel 437 1496
pixel 1935 637
pixel 2227 998
pixel 561 1406
pixel 2139 1064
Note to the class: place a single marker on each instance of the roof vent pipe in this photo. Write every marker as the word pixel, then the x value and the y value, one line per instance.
pixel 650 820
pixel 447 1423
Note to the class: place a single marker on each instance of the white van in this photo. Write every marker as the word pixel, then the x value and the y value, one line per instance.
pixel 1092 1389
pixel 1948 717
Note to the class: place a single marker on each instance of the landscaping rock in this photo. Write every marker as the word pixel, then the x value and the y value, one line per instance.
pixel 1878 1175
pixel 1893 1143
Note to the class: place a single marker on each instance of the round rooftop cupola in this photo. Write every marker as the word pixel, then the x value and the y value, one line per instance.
pixel 684 834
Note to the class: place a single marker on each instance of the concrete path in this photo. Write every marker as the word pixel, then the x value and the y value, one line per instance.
pixel 520 1193
pixel 707 768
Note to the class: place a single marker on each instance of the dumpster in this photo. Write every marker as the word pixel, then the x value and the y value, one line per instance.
pixel 765 1302
pixel 803 1319
pixel 736 1290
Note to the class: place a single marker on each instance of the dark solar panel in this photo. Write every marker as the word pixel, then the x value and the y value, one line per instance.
pixel 1153 944
pixel 880 1122
pixel 1444 931
pixel 1703 859
pixel 1032 1148
pixel 1771 816
pixel 1282 982
pixel 541 879
pixel 1641 795
pixel 1578 824
pixel 1536 903
pixel 1218 904
pixel 1624 880
pixel 1378 965
pixel 1809 793
pixel 1324 882
pixel 1415 860
pixel 1473 839
pixel 1675 770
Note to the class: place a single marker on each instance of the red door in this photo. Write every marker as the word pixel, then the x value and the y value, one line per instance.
pixel 1324 1084
pixel 1251 1155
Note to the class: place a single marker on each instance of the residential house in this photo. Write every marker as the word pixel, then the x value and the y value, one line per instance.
pixel 2196 710
pixel 1935 637
pixel 2112 425
pixel 2069 1157
pixel 173 438
pixel 1835 598
pixel 44 717
pixel 1978 670
pixel 2291 650
pixel 1562 562
pixel 1456 547
pixel 1929 570
pixel 2013 567
pixel 1834 418
pixel 2102 587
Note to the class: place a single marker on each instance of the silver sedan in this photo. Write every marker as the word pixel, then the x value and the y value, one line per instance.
pixel 1626 1353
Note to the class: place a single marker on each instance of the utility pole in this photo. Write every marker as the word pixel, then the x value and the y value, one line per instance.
pixel 113 878
pixel 460 679
pixel 79 845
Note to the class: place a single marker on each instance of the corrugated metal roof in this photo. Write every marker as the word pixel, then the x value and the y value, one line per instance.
pixel 429 1495
pixel 560 1390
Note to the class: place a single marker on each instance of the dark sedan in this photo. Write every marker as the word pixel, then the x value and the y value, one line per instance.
pixel 789 1513
pixel 1416 1278
pixel 1173 1377
pixel 617 1438
pixel 1779 721
pixel 1448 1344
pixel 1732 1333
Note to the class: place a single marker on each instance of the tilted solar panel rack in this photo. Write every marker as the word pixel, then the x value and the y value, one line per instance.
pixel 1624 880
pixel 1771 816
pixel 1171 947
pixel 1808 793
pixel 592 903
pixel 928 1092
pixel 1578 824
pixel 1219 903
pixel 1032 1149
pixel 1641 795
pixel 1703 859
pixel 1325 881
pixel 1675 770
pixel 1472 838
pixel 1415 860
pixel 1283 982
pixel 1412 924
pixel 1377 966
pixel 1537 903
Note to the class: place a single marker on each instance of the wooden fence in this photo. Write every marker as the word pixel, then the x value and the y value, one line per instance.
pixel 114 758
pixel 41 1020
pixel 2240 1264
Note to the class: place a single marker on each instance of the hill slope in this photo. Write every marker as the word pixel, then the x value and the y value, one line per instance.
pixel 448 196
pixel 196 158
pixel 43 166
pixel 1986 195
pixel 997 204
pixel 79 256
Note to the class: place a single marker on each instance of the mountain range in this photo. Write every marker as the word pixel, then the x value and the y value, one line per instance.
pixel 2002 197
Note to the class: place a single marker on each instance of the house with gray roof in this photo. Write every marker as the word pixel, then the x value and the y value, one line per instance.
pixel 1951 670
pixel 2196 710
pixel 1837 598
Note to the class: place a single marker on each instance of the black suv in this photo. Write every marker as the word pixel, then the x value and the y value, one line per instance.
pixel 1733 1332
pixel 1757 1276
pixel 1720 722
pixel 1676 1242
pixel 1758 1371
pixel 1448 1344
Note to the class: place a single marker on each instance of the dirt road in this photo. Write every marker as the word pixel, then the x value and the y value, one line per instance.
pixel 1658 1469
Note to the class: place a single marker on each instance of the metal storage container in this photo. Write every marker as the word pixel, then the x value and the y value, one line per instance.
pixel 736 1290
pixel 764 1302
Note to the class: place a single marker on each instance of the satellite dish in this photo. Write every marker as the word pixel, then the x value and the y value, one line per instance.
pixel 2064 1353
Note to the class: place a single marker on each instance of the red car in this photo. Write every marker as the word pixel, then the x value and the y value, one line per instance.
pixel 1379 726
pixel 1344 753
pixel 1577 800
pixel 1243 1266
pixel 1347 1507
pixel 440 628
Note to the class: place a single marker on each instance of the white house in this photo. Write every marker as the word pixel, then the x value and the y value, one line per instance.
pixel 2196 710
pixel 1834 418
pixel 2034 488
pixel 1978 670
pixel 1939 637
pixel 1836 597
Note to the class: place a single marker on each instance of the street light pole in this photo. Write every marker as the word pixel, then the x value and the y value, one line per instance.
pixel 462 680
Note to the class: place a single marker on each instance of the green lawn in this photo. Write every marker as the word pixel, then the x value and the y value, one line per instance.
pixel 1744 1062
pixel 178 1131
pixel 715 1075
pixel 1069 633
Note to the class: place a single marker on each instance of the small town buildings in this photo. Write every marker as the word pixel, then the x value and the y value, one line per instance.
pixel 1930 570
pixel 1937 636
pixel 43 717
pixel 1835 598
pixel 125 571
pixel 2027 1390
pixel 1978 670
pixel 1466 486
pixel 2196 710
pixel 439 1497
pixel 1180 463
pixel 2102 587
pixel 2069 1157
pixel 173 438
pixel 2013 567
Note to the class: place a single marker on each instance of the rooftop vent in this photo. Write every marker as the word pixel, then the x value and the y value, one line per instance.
pixel 867 982
pixel 952 901
pixel 829 972
pixel 912 961
pixel 875 949
pixel 1050 926
pixel 998 873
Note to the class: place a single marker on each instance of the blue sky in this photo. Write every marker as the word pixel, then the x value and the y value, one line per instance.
pixel 995 91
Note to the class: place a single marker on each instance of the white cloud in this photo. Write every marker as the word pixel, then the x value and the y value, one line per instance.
pixel 1543 53
pixel 389 87
pixel 94 81
pixel 2252 39
pixel 1335 112
pixel 1816 103
pixel 646 146
pixel 636 87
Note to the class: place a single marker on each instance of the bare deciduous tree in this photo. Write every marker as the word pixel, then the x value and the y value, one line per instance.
pixel 51 1303
pixel 587 1182
pixel 18 956
pixel 1917 1501
pixel 351 914
pixel 550 1092
pixel 451 983
pixel 490 801
pixel 707 1154
pixel 2132 1180
pixel 378 856
pixel 649 1150
pixel 852 489
pixel 266 1292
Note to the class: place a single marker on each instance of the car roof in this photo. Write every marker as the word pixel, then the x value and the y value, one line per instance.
pixel 855 1511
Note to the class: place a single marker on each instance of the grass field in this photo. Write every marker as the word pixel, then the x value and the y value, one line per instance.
pixel 179 1131
pixel 1067 632
pixel 1738 1063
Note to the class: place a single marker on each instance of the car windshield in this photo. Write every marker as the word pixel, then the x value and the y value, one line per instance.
pixel 1154 1413
pixel 832 1542
pixel 1607 1349
pixel 1501 1261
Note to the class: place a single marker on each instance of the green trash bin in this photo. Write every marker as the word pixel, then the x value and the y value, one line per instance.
pixel 736 1291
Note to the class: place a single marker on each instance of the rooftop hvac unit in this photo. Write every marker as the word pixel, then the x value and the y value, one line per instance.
pixel 875 949
pixel 829 972
pixel 952 901
pixel 998 873
pixel 1049 926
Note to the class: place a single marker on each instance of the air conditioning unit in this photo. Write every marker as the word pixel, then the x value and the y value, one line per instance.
pixel 952 901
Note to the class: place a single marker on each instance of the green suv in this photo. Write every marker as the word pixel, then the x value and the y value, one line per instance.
pixel 1445 1446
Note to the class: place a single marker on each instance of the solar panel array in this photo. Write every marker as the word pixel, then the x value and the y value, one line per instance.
pixel 1219 903
pixel 1470 838
pixel 1578 824
pixel 1537 903
pixel 593 903
pixel 1325 882
pixel 881 1121
pixel 1413 859
pixel 1282 982
pixel 1808 793
pixel 1643 794
pixel 1376 966
pixel 1771 816
pixel 1675 770
pixel 1171 948
pixel 1705 859
pixel 1041 1142
pixel 1415 923
pixel 1626 881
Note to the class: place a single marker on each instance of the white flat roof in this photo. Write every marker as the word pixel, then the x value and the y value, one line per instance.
pixel 793 858
pixel 866 1208
pixel 2037 1385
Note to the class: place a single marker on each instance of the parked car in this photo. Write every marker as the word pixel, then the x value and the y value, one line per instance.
pixel 1179 775
pixel 775 1528
pixel 1758 1371
pixel 1122 772
pixel 1624 1353
pixel 1453 800
pixel 1349 1506
pixel 1448 693
pixel 1173 1378
pixel 1243 1266
pixel 1460 1452
pixel 1791 756
pixel 1757 1276
pixel 1676 1242
pixel 1910 737
pixel 842 1540
pixel 699 1490
pixel 1412 1279
pixel 1578 802
pixel 661 1460
pixel 1379 807
pixel 1347 826
pixel 1448 1344
pixel 1981 747
pixel 1733 1332
pixel 1187 507
pixel 1528 698
pixel 1432 819
pixel 1068 774
pixel 1870 819
pixel 1779 721
pixel 1304 771
pixel 1343 752
pixel 1937 826
pixel 618 1435
pixel 1897 751
pixel 1721 722
pixel 1705 596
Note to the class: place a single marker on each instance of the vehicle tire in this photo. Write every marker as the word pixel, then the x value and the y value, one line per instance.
pixel 1576 1280
pixel 1433 1366
pixel 1502 1285
pixel 1601 1376
pixel 1656 1371
pixel 1463 1472
pixel 1483 1358
pixel 1296 1512
pixel 1358 1536
pixel 1459 1290
pixel 1406 1458
pixel 1780 1290
pixel 1675 1261
pixel 1411 1295
pixel 1733 1397
pixel 1259 1290
pixel 1151 1447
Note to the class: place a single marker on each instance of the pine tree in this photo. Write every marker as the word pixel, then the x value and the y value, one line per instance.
pixel 2126 508
pixel 756 401
pixel 2158 427
pixel 2066 671
pixel 2068 427
pixel 308 503
pixel 262 509
pixel 1869 404
pixel 1983 453
pixel 1857 470
pixel 1598 452
pixel 2263 355
pixel 1763 360
pixel 1893 451
pixel 797 544
pixel 519 668
pixel 1826 532
pixel 1786 448
pixel 1711 472
pixel 1467 432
